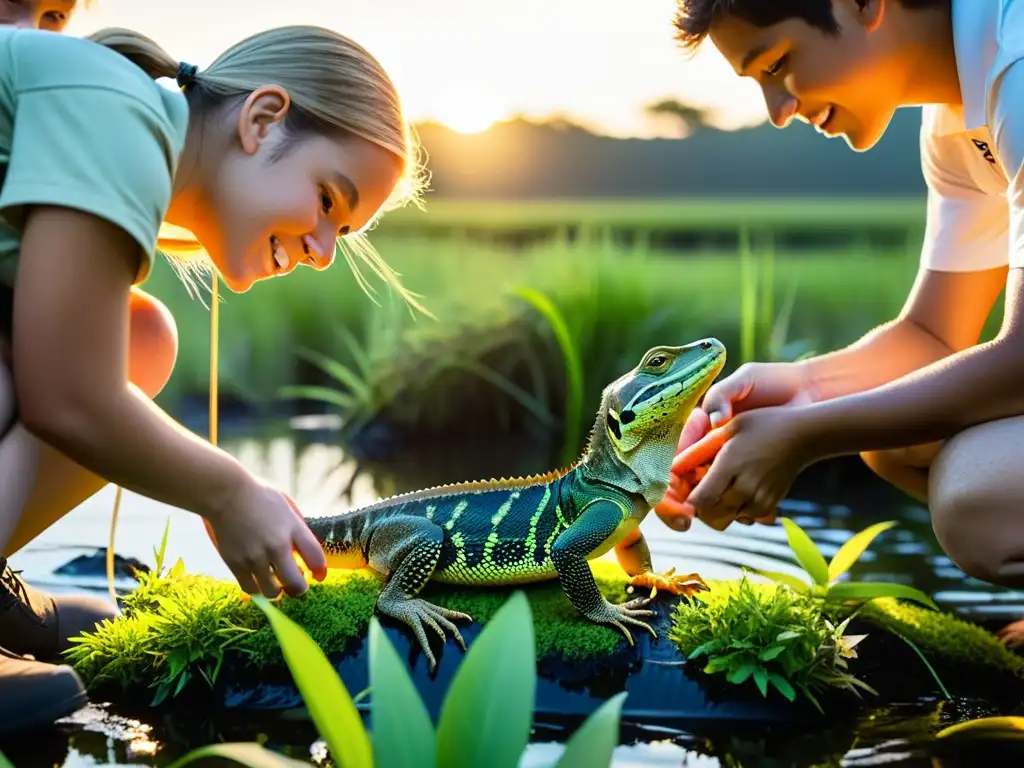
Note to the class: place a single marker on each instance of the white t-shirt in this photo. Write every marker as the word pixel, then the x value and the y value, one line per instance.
pixel 972 156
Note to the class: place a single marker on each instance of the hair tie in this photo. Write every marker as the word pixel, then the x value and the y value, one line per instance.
pixel 186 74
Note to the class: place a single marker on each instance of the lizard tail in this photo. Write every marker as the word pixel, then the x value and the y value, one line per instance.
pixel 341 539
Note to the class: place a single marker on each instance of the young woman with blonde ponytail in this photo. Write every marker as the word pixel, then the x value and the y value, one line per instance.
pixel 291 142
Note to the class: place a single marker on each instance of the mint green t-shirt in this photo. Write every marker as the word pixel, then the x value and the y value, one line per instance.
pixel 83 127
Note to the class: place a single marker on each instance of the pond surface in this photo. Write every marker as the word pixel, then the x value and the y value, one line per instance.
pixel 830 502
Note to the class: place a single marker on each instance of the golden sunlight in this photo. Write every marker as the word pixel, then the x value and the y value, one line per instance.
pixel 469 110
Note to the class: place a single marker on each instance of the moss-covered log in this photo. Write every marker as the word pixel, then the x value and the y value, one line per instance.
pixel 185 634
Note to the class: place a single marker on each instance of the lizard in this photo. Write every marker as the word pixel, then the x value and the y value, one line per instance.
pixel 541 527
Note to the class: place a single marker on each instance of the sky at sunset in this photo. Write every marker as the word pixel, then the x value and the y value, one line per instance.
pixel 468 63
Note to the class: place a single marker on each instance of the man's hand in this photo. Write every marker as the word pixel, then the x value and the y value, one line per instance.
pixel 753 385
pixel 757 456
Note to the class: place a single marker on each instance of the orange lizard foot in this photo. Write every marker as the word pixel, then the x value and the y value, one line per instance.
pixel 1012 634
pixel 676 585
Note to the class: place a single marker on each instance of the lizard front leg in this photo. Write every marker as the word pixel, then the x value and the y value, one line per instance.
pixel 407 548
pixel 635 558
pixel 569 554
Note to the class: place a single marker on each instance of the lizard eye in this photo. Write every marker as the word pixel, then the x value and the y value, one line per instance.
pixel 656 362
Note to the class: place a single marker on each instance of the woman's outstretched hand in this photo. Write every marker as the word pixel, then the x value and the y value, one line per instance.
pixel 257 538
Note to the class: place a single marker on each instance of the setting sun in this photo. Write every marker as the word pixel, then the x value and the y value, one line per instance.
pixel 469 110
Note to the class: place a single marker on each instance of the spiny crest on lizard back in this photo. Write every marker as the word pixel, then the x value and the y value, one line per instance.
pixel 469 486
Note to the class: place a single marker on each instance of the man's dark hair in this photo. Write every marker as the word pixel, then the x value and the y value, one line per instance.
pixel 694 18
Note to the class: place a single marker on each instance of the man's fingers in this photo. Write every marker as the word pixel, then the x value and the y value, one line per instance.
pixel 701 452
pixel 675 513
pixel 719 399
pixel 709 492
pixel 697 425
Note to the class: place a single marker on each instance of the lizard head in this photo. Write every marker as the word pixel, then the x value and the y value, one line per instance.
pixel 644 410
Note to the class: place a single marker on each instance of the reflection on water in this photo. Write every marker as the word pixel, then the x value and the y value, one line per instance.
pixel 834 501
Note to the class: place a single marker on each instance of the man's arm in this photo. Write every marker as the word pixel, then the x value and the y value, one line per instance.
pixel 944 313
pixel 963 270
pixel 973 385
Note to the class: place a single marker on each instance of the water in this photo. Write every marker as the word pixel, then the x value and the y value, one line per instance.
pixel 830 504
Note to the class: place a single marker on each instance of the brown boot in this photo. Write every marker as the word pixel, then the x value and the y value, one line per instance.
pixel 33 694
pixel 34 623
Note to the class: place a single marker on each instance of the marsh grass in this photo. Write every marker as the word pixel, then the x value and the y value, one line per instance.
pixel 503 357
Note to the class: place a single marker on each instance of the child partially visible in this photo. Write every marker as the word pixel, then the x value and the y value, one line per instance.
pixel 51 15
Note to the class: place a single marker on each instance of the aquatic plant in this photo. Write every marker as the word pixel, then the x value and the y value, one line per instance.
pixel 769 635
pixel 485 719
pixel 825 575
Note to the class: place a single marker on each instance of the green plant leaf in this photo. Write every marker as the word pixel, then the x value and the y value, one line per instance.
pixel 573 367
pixel 177 570
pixel 784 578
pixel 986 728
pixel 761 678
pixel 869 590
pixel 4 762
pixel 806 552
pixel 739 675
pixel 595 740
pixel 488 709
pixel 323 394
pixel 771 652
pixel 401 732
pixel 250 754
pixel 924 659
pixel 854 547
pixel 159 554
pixel 717 664
pixel 330 706
pixel 338 371
pixel 712 645
pixel 530 403
pixel 783 685
pixel 360 356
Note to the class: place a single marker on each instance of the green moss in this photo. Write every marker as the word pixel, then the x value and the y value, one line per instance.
pixel 180 626
pixel 943 635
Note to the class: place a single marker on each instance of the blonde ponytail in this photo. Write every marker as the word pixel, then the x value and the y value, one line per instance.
pixel 138 49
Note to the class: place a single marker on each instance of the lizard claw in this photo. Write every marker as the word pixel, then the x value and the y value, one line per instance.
pixel 687 585
pixel 417 613
pixel 625 614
